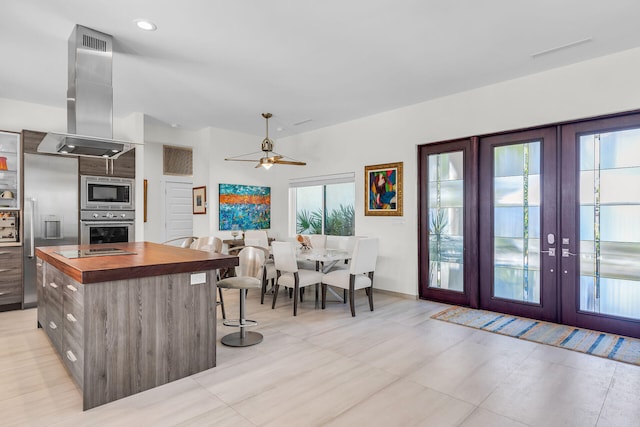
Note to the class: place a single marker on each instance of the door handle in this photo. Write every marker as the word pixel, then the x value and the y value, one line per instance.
pixel 551 252
pixel 32 238
pixel 566 253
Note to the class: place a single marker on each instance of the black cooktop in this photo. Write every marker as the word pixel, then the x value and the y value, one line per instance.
pixel 86 253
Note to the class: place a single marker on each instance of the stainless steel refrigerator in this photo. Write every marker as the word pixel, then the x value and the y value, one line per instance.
pixel 50 210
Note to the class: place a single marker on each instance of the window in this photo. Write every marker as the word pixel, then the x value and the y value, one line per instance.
pixel 323 205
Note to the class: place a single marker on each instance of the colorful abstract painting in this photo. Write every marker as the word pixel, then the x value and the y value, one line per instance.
pixel 383 195
pixel 244 207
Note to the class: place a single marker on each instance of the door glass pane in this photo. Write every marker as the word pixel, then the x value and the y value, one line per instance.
pixel 446 219
pixel 339 209
pixel 516 214
pixel 609 209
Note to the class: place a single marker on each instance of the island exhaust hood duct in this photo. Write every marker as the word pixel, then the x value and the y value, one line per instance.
pixel 89 100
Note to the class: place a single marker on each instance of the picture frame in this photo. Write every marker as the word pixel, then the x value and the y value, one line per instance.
pixel 383 189
pixel 199 200
pixel 244 207
pixel 144 184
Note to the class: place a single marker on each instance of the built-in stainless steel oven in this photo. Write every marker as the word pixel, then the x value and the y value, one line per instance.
pixel 107 227
pixel 106 193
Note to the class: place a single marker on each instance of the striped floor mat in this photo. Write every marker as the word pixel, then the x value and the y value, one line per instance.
pixel 615 347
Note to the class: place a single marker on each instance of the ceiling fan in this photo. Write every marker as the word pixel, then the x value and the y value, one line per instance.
pixel 270 157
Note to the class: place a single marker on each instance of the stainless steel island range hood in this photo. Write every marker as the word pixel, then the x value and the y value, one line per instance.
pixel 89 100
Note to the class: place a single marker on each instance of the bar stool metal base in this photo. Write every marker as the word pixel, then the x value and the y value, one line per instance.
pixel 237 340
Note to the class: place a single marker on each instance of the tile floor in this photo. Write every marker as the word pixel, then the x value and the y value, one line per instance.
pixel 392 367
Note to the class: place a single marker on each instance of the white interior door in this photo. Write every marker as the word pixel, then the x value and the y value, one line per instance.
pixel 178 210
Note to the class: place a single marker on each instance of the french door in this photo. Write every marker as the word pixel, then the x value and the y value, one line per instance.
pixel 600 269
pixel 448 173
pixel 543 223
pixel 518 223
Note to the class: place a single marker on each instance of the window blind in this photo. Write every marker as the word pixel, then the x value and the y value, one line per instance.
pixel 338 178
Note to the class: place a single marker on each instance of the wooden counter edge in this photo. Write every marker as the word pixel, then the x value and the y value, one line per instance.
pixel 88 276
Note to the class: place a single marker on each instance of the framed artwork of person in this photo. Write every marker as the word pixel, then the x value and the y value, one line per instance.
pixel 383 189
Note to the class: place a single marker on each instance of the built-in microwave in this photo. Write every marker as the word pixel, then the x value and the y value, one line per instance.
pixel 106 193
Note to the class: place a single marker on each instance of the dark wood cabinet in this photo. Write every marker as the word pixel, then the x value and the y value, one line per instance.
pixel 10 277
pixel 123 167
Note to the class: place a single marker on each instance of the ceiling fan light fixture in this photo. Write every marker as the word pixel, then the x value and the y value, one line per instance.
pixel 269 157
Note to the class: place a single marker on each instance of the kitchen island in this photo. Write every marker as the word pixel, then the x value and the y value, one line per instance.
pixel 127 317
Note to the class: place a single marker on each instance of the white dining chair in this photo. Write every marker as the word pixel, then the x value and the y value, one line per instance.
pixel 288 273
pixel 318 241
pixel 257 238
pixel 358 276
pixel 346 244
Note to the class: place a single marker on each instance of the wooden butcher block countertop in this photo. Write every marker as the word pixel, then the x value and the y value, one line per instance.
pixel 150 259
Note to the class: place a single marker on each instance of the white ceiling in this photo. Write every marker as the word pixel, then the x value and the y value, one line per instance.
pixel 222 63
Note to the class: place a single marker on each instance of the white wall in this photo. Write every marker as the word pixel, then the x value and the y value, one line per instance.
pixel 601 86
pixel 210 147
pixel 16 116
pixel 228 144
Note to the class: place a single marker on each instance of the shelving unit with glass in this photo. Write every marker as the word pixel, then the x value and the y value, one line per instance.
pixel 9 188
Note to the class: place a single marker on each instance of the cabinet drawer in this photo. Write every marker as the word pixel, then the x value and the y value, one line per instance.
pixel 73 319
pixel 53 296
pixel 10 291
pixel 10 275
pixel 73 292
pixel 54 328
pixel 53 287
pixel 10 256
pixel 73 356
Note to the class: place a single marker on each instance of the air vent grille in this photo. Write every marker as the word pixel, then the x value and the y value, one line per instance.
pixel 177 160
pixel 94 43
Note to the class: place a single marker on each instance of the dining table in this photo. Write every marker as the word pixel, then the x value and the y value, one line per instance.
pixel 325 259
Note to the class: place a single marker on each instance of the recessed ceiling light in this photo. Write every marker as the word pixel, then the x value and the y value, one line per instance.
pixel 145 24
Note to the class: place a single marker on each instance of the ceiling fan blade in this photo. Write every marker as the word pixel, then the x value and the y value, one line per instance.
pixel 241 160
pixel 259 165
pixel 289 162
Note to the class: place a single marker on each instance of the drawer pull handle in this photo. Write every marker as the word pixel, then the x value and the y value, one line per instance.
pixel 2 293
pixel 5 253
pixel 2 270
pixel 53 285
pixel 72 288
pixel 71 318
pixel 53 325
pixel 71 356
